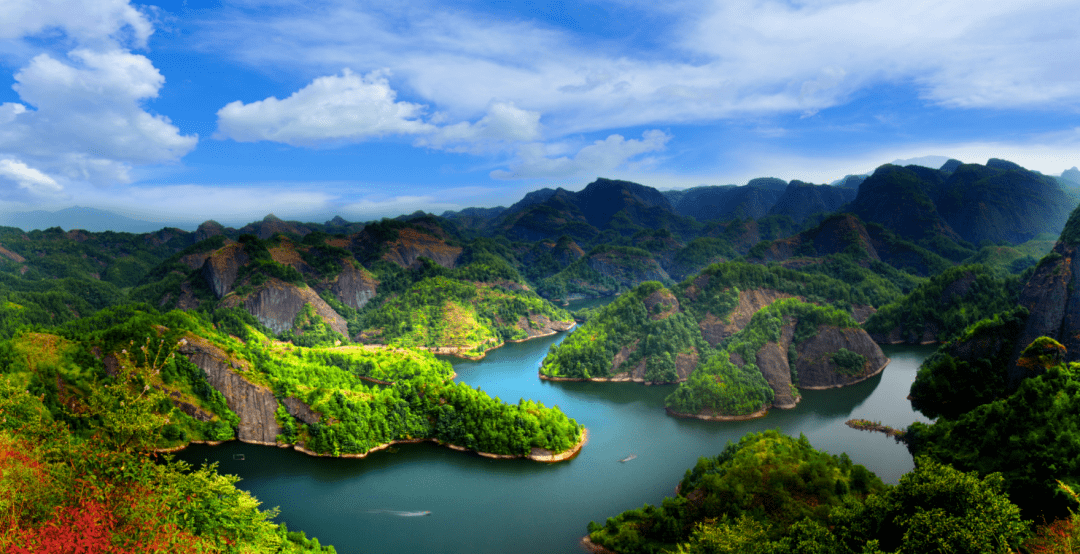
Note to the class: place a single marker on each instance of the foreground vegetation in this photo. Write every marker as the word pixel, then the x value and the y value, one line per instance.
pixel 770 493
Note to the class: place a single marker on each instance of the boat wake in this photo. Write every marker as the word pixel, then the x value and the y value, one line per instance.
pixel 400 513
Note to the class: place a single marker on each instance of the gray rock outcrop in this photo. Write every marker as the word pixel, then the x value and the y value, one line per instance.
pixel 255 405
pixel 275 304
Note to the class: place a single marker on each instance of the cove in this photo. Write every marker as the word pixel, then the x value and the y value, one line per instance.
pixel 479 505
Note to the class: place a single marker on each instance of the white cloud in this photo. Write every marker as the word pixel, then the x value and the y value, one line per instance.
pixel 88 122
pixel 34 184
pixel 81 116
pixel 727 58
pixel 503 123
pixel 88 22
pixel 376 207
pixel 345 108
pixel 601 157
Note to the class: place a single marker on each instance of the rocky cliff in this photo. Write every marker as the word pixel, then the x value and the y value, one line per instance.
pixel 1052 296
pixel 221 268
pixel 353 287
pixel 275 304
pixel 253 404
pixel 412 244
pixel 817 368
pixel 627 267
pixel 714 330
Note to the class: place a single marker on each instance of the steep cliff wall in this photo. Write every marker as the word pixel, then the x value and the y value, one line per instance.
pixel 627 269
pixel 412 244
pixel 1052 296
pixel 715 330
pixel 221 268
pixel 253 404
pixel 353 287
pixel 772 361
pixel 817 369
pixel 275 304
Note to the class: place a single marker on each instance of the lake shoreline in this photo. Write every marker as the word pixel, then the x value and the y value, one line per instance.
pixel 537 454
pixel 720 417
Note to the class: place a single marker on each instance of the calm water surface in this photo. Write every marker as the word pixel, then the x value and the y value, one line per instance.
pixel 479 505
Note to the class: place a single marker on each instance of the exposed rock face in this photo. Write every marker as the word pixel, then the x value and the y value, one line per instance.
pixel 412 244
pixel 253 404
pixel 353 287
pixel 1052 296
pixel 11 255
pixel 750 301
pixel 661 304
pixel 817 370
pixel 301 411
pixel 537 325
pixel 814 365
pixel 192 410
pixel 276 303
pixel 221 268
pixel 772 361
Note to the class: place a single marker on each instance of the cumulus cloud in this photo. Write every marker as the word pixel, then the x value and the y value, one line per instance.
pixel 80 114
pixel 599 157
pixel 503 123
pixel 341 108
pixel 83 118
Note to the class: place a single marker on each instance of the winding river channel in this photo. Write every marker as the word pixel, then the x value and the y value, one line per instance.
pixel 478 505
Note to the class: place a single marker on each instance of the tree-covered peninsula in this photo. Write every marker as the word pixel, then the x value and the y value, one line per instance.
pixel 736 351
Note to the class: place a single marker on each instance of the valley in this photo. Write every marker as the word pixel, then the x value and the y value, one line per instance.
pixel 716 313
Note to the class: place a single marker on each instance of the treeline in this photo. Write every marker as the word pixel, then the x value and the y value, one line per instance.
pixel 770 493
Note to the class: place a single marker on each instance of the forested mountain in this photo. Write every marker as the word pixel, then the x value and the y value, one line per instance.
pixel 948 211
pixel 720 203
pixel 737 336
pixel 802 200
pixel 321 336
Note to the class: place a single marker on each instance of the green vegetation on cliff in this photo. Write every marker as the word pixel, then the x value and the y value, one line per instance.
pixel 643 325
pixel 971 369
pixel 720 387
pixel 945 305
pixel 469 316
pixel 68 486
pixel 1031 436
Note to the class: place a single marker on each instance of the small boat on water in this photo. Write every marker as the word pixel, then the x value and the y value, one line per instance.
pixel 628 458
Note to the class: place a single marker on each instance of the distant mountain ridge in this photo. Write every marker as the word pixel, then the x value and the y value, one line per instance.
pixel 78 217
pixel 972 203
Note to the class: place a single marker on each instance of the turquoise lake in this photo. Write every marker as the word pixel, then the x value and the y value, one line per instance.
pixel 479 505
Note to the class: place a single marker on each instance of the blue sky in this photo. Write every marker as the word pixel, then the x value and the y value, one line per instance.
pixel 182 111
